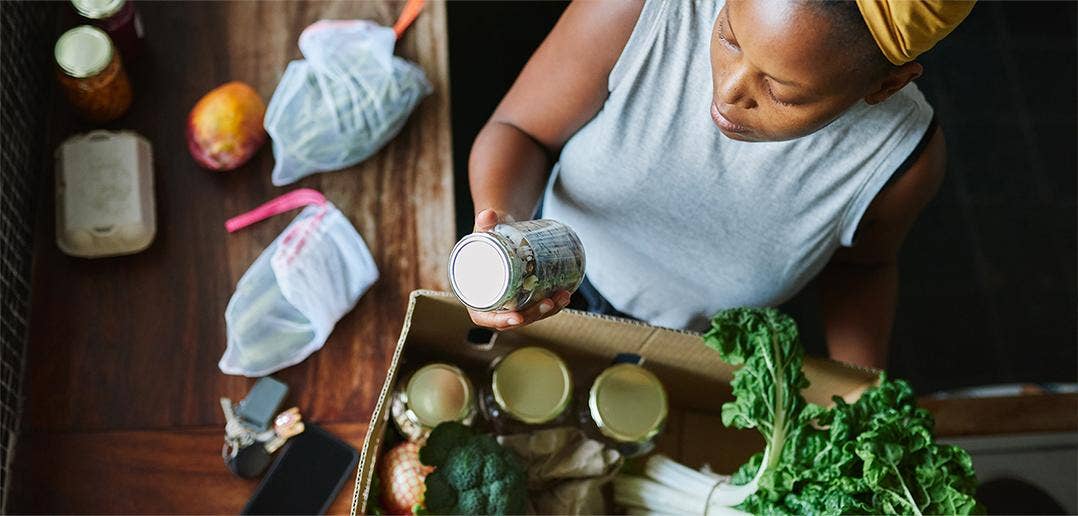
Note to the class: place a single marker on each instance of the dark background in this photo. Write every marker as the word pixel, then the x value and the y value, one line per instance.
pixel 988 283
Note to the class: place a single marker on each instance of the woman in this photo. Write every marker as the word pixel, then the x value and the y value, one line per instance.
pixel 715 155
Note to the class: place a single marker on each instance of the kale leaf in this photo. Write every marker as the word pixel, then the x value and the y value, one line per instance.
pixel 875 456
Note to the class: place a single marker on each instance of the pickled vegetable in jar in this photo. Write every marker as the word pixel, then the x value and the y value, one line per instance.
pixel 119 19
pixel 92 75
pixel 529 388
pixel 433 394
pixel 516 265
pixel 626 408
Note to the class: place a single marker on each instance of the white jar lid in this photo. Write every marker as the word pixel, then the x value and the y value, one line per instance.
pixel 83 51
pixel 479 271
pixel 97 9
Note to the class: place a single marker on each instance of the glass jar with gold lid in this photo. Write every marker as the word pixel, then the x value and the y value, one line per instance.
pixel 529 388
pixel 433 394
pixel 626 408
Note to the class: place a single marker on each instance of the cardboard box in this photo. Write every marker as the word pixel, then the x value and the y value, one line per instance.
pixel 696 380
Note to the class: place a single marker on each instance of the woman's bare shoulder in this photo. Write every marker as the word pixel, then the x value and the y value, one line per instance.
pixel 564 83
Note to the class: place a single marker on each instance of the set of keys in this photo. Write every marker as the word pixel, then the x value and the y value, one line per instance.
pixel 247 451
pixel 250 441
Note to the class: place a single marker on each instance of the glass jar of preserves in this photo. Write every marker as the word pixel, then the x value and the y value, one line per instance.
pixel 515 265
pixel 433 394
pixel 92 74
pixel 118 18
pixel 529 388
pixel 625 408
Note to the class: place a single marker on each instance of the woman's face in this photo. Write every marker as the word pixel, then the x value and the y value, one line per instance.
pixel 776 72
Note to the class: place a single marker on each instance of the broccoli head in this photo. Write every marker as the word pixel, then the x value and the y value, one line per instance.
pixel 473 473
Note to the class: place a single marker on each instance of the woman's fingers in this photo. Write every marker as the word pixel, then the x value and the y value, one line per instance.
pixel 497 320
pixel 546 307
pixel 488 218
pixel 549 307
pixel 538 311
pixel 510 320
pixel 485 220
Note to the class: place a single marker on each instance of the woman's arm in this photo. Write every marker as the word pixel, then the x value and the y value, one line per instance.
pixel 562 87
pixel 860 285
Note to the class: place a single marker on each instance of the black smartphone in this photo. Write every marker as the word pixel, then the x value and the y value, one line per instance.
pixel 306 477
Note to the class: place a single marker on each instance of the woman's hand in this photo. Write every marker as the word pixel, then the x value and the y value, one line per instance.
pixel 484 221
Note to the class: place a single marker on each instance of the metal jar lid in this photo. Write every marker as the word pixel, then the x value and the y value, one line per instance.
pixel 437 393
pixel 98 9
pixel 532 384
pixel 628 403
pixel 481 272
pixel 83 51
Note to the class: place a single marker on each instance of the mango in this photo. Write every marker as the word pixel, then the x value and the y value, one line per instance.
pixel 224 128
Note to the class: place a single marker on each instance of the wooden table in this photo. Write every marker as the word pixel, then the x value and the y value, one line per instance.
pixel 121 412
pixel 1004 415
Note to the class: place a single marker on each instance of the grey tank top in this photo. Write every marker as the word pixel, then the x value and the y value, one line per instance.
pixel 679 221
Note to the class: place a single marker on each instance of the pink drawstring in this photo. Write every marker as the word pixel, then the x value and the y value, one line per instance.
pixel 289 201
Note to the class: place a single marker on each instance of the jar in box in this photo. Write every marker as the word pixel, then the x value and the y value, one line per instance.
pixel 92 74
pixel 529 388
pixel 433 394
pixel 626 408
pixel 516 265
pixel 119 19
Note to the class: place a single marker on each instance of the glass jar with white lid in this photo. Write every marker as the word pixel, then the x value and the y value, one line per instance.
pixel 516 265
pixel 91 74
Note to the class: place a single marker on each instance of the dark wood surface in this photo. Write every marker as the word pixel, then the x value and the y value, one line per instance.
pixel 142 472
pixel 133 342
pixel 123 351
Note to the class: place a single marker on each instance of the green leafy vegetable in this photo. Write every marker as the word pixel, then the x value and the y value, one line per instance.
pixel 474 474
pixel 768 388
pixel 875 456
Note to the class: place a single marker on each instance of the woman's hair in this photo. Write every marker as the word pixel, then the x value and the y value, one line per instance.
pixel 852 33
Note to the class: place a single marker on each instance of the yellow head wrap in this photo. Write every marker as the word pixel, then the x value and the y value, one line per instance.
pixel 904 29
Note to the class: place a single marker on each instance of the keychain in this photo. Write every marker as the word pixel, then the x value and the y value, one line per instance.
pixel 247 452
pixel 288 424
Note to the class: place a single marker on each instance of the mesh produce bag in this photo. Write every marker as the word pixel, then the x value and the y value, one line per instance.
pixel 345 100
pixel 287 303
